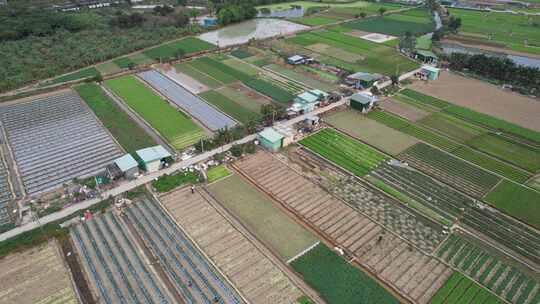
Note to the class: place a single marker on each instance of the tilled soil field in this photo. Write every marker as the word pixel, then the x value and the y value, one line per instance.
pixel 498 275
pixel 403 110
pixel 254 274
pixel 37 275
pixel 389 257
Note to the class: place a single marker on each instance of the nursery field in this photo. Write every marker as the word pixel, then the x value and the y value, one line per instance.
pixel 510 30
pixel 516 200
pixel 244 96
pixel 504 278
pixel 526 157
pixel 229 107
pixel 216 173
pixel 171 50
pixel 188 69
pixel 176 127
pixel 453 171
pixel 267 222
pixel 337 281
pixel 462 290
pixel 344 151
pixel 227 75
pixel 378 58
pixel 128 134
pixel 416 21
pixel 452 127
pixel 372 132
pixel 301 77
pixel 447 202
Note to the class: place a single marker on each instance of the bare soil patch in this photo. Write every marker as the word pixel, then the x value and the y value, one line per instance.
pixel 186 81
pixel 404 110
pixel 484 98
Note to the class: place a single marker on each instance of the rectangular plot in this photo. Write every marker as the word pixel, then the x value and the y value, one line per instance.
pixel 229 107
pixel 190 103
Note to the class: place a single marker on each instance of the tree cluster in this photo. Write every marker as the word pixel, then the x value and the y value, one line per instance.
pixel 17 22
pixel 501 69
pixel 234 11
pixel 127 21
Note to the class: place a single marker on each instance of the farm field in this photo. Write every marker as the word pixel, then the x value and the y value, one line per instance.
pixel 266 221
pixel 402 109
pixel 42 267
pixel 253 273
pixel 187 82
pixel 516 200
pixel 177 128
pixel 488 100
pixel 216 173
pixel 372 132
pixel 188 102
pixel 502 277
pixel 171 50
pixel 510 31
pixel 460 289
pixel 244 96
pixel 188 69
pixel 301 77
pixel 452 127
pixel 535 183
pixel 392 259
pixel 78 75
pixel 448 202
pixel 229 107
pixel 6 194
pixel 128 134
pixel 526 157
pixel 338 281
pixel 346 152
pixel 181 260
pixel 116 269
pixel 453 171
pixel 109 67
pixel 54 139
pixel 378 58
pixel 386 211
pixel 416 21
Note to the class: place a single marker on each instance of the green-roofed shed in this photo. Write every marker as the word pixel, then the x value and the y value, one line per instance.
pixel 127 165
pixel 270 139
pixel 151 157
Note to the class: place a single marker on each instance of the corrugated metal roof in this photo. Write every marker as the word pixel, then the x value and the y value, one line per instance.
pixel 426 53
pixel 308 97
pixel 364 76
pixel 126 162
pixel 430 68
pixel 295 58
pixel 153 153
pixel 363 98
pixel 270 134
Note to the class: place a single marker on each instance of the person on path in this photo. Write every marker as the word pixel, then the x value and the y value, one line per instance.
pixel 192 189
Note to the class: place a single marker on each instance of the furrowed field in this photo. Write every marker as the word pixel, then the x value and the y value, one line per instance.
pixel 516 32
pixel 344 151
pixel 176 127
pixel 337 281
pixel 460 289
pixel 130 136
pixel 377 58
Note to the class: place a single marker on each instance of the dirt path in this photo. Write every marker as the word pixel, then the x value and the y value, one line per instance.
pixel 484 98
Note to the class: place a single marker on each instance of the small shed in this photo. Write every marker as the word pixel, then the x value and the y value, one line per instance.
pixel 295 60
pixel 362 102
pixel 287 132
pixel 270 139
pixel 152 158
pixel 127 165
pixel 432 73
pixel 426 56
pixel 362 80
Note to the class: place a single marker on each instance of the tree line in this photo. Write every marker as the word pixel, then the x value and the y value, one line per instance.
pixel 504 70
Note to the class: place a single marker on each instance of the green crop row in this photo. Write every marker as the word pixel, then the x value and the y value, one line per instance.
pixel 462 290
pixel 344 151
pixel 229 106
pixel 173 49
pixel 337 281
pixel 425 99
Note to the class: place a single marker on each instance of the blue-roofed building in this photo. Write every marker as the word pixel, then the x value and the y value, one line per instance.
pixel 270 139
pixel 307 101
pixel 128 166
pixel 152 158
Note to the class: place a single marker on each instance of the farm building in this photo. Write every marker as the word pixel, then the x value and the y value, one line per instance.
pixel 307 101
pixel 426 56
pixel 296 59
pixel 287 132
pixel 362 102
pixel 152 158
pixel 270 139
pixel 362 80
pixel 125 166
pixel 428 73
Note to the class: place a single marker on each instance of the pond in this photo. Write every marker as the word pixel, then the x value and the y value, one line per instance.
pixel 449 48
pixel 293 12
pixel 257 28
